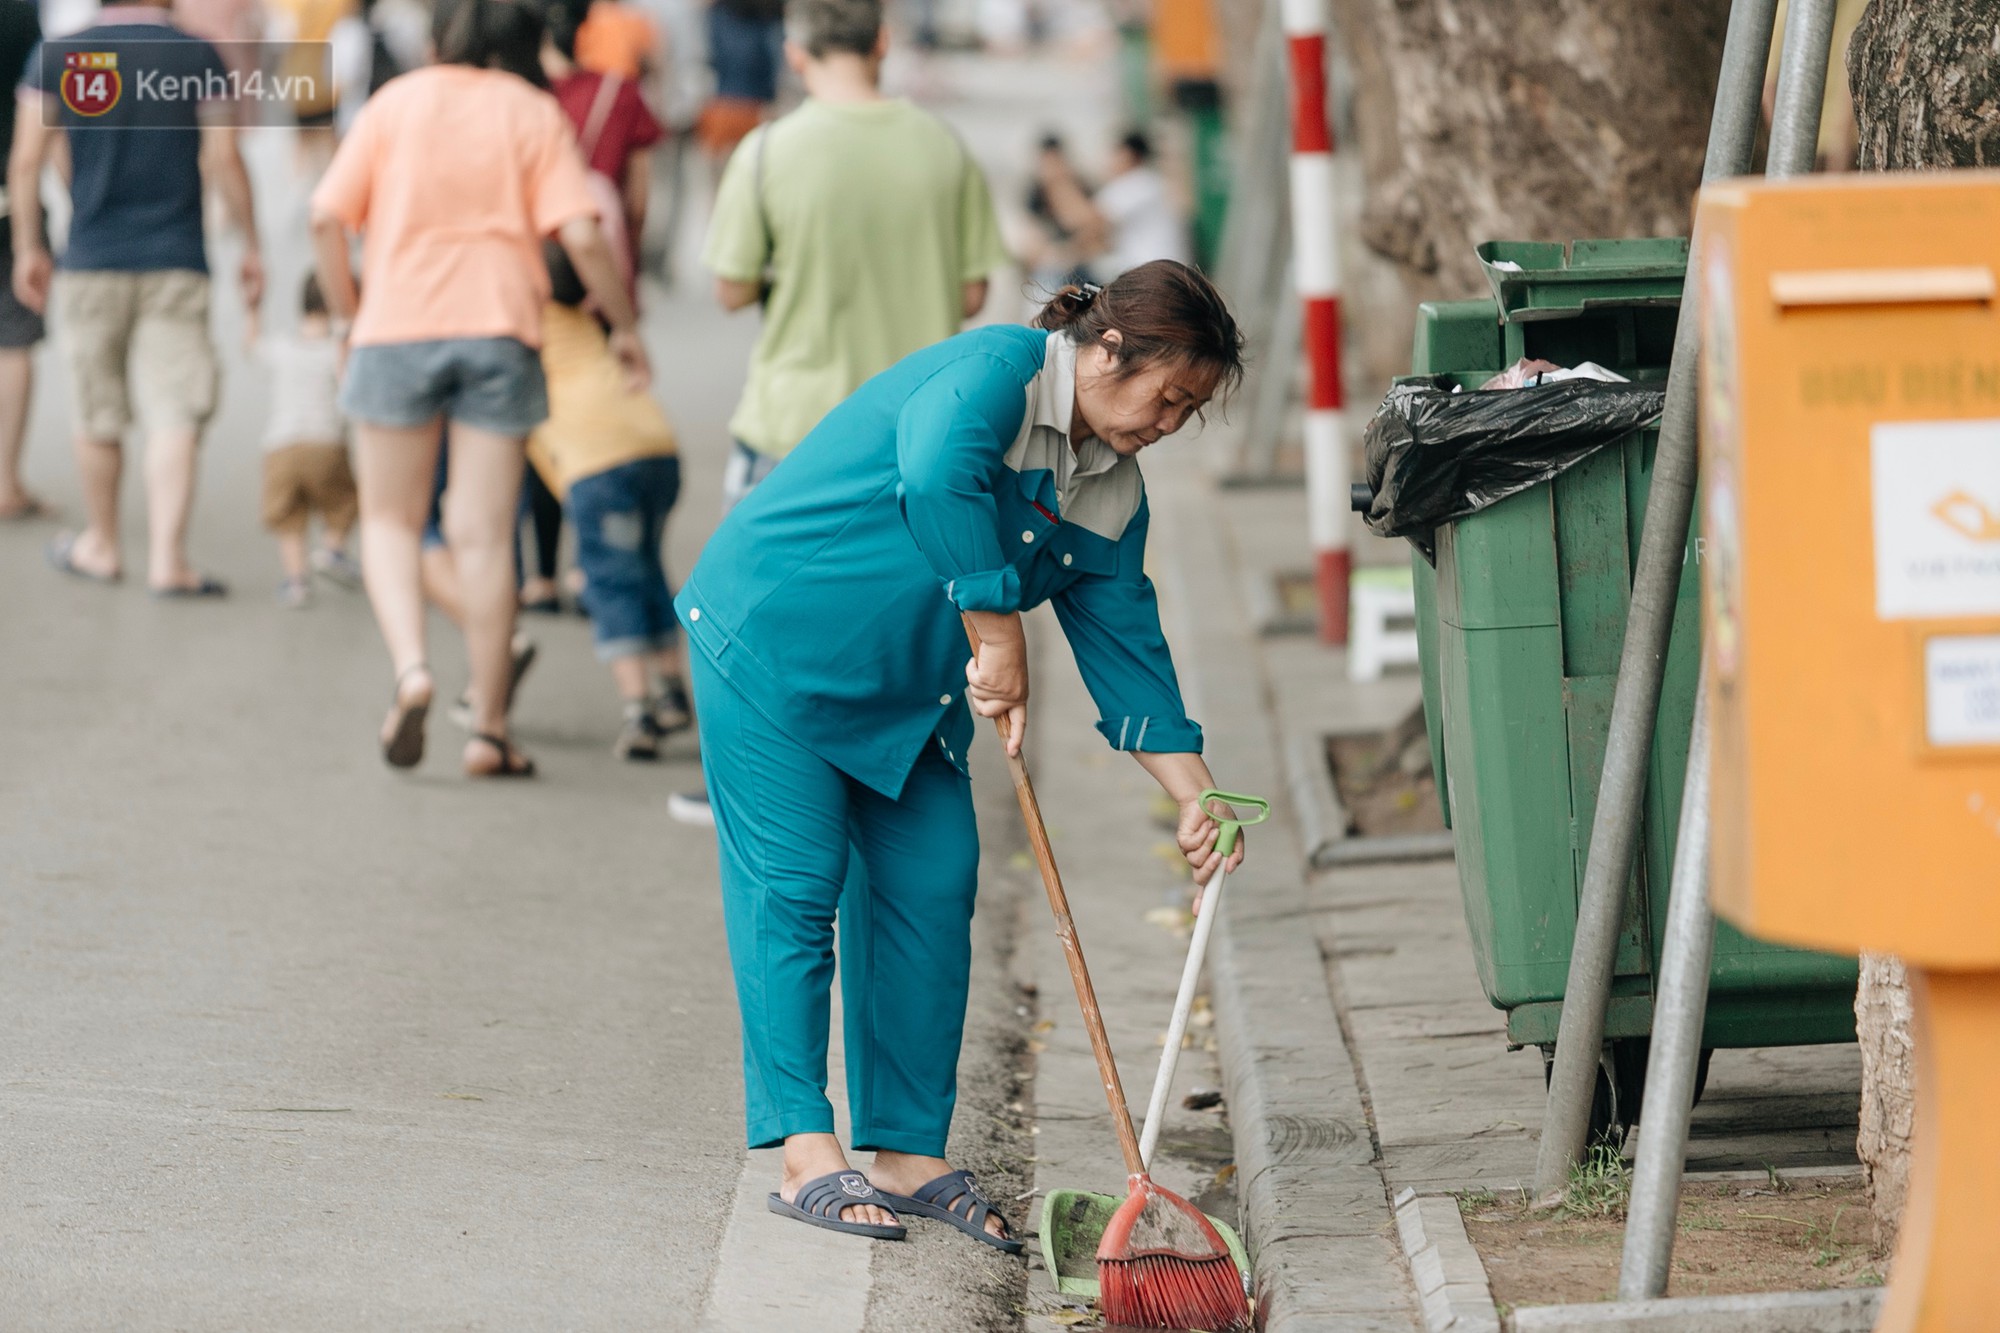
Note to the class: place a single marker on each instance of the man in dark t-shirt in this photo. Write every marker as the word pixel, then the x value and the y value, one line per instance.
pixel 144 108
pixel 20 327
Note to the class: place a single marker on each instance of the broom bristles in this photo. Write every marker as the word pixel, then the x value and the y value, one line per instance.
pixel 1161 1264
pixel 1168 1291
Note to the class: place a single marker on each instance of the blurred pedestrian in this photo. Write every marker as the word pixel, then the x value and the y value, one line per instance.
pixel 306 472
pixel 20 327
pixel 746 41
pixel 1049 255
pixel 614 129
pixel 132 296
pixel 305 29
pixel 864 228
pixel 454 174
pixel 608 450
pixel 616 38
pixel 1132 218
pixel 676 96
pixel 974 480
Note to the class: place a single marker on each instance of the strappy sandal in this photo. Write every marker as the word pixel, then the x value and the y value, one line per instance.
pixel 820 1203
pixel 513 763
pixel 953 1198
pixel 404 747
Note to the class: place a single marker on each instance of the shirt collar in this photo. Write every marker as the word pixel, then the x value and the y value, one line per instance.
pixel 1055 406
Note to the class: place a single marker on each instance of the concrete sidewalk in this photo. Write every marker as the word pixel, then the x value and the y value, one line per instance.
pixel 1361 1057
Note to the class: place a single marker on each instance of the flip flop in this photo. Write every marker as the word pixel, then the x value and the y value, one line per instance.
pixel 513 764
pixel 953 1198
pixel 59 550
pixel 405 746
pixel 202 587
pixel 820 1203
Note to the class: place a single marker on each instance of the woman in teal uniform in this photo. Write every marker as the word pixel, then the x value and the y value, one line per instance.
pixel 979 478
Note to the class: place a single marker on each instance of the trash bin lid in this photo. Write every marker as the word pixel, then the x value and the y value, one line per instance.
pixel 1552 280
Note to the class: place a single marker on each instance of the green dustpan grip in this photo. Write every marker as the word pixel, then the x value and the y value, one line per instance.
pixel 1073 1222
pixel 1237 813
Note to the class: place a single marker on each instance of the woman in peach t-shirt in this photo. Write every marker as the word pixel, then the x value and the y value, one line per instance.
pixel 453 175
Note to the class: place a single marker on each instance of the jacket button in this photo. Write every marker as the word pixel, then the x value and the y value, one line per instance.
pixel 694 613
pixel 944 698
pixel 1027 536
pixel 1065 562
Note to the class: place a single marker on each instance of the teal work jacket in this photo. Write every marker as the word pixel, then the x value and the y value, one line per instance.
pixel 830 597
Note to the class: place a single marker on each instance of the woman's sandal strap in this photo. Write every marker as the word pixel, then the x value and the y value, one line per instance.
pixel 954 1198
pixel 512 762
pixel 830 1195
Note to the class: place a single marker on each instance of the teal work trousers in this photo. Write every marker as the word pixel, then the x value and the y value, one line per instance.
pixel 802 844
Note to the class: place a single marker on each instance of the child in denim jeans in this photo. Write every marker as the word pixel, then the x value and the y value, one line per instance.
pixel 610 454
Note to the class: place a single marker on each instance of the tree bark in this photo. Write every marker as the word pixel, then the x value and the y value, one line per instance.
pixel 1926 81
pixel 1481 120
pixel 1882 1022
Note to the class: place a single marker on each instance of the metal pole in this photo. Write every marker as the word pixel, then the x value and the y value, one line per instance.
pixel 1681 1002
pixel 1680 1005
pixel 1655 586
pixel 1795 110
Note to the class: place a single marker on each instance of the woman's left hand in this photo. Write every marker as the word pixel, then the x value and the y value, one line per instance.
pixel 1196 835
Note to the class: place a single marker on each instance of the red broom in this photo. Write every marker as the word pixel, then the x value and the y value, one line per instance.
pixel 1160 1264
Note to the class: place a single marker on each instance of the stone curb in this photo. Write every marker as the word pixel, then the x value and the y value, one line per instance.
pixel 1451 1281
pixel 1852 1311
pixel 1315 1212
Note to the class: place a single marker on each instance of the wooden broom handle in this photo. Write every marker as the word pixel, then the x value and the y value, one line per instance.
pixel 1079 974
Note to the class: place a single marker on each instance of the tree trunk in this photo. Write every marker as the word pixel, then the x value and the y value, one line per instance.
pixel 1481 120
pixel 1882 1021
pixel 1926 81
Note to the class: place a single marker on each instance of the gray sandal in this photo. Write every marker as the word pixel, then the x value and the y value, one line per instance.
pixel 953 1199
pixel 820 1203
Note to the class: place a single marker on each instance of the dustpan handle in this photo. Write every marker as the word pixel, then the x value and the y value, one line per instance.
pixel 1079 974
pixel 1226 809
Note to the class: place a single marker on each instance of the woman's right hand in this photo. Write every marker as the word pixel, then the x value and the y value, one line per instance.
pixel 996 685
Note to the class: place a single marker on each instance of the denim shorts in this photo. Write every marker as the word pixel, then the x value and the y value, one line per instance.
pixel 621 517
pixel 494 384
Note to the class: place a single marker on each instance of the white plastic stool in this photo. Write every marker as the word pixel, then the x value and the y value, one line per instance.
pixel 1376 597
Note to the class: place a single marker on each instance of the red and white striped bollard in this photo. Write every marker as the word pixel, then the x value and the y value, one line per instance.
pixel 1316 268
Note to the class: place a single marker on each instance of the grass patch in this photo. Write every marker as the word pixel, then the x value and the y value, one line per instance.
pixel 1599 1186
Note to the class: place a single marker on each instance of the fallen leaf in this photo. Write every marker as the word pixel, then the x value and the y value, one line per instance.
pixel 1176 919
pixel 1202 1099
pixel 1021 861
pixel 1036 1047
pixel 461 1097
pixel 1046 1025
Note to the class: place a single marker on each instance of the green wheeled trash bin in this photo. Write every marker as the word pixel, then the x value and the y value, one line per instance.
pixel 1520 629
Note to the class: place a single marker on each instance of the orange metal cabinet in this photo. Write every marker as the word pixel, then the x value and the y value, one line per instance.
pixel 1850 414
pixel 1850 422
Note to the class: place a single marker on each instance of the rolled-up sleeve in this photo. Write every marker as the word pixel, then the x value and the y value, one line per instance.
pixel 951 442
pixel 1113 624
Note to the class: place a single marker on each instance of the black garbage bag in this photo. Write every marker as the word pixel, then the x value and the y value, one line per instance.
pixel 1432 455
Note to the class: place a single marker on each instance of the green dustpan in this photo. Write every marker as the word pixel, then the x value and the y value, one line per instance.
pixel 1073 1223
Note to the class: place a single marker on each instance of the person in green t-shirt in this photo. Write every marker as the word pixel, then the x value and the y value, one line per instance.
pixel 860 220
pixel 864 227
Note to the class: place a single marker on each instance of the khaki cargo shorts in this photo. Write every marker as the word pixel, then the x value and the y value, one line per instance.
pixel 137 339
